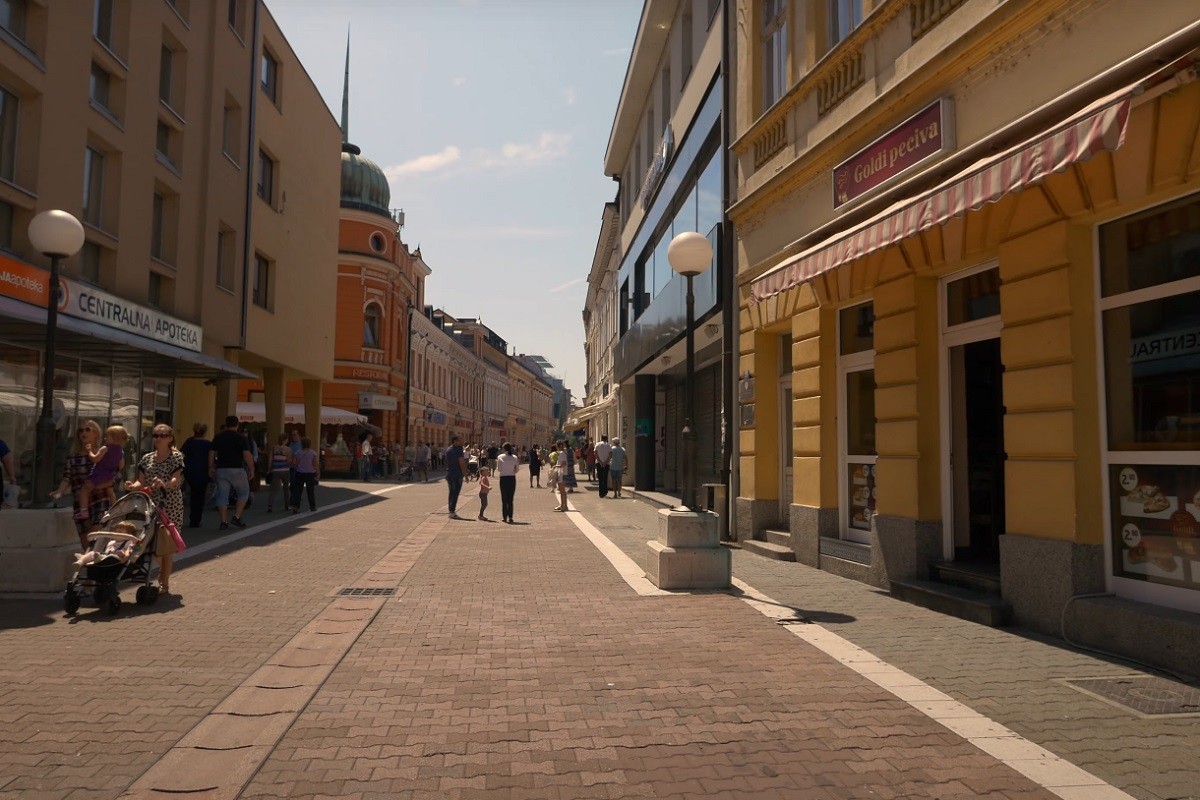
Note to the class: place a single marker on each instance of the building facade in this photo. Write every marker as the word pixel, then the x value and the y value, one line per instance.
pixel 665 150
pixel 601 400
pixel 163 132
pixel 967 273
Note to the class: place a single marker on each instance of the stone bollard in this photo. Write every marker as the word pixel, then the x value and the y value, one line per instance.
pixel 37 547
pixel 688 553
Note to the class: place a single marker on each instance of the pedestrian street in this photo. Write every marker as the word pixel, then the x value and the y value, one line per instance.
pixel 379 649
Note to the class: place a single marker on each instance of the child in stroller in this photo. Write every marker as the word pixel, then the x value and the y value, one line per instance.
pixel 121 551
pixel 110 547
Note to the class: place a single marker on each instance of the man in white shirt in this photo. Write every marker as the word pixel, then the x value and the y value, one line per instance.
pixel 423 462
pixel 365 463
pixel 603 456
pixel 507 465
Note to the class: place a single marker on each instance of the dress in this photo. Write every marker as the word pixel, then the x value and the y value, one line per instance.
pixel 79 466
pixel 169 500
pixel 568 472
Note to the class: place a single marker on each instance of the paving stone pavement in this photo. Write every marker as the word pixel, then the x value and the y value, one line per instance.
pixel 513 662
pixel 1015 677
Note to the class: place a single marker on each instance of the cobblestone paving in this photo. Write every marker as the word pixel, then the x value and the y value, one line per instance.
pixel 1014 677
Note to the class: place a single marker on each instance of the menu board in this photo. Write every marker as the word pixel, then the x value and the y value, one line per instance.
pixel 862 495
pixel 1156 520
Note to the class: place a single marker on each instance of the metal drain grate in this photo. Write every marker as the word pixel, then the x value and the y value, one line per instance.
pixel 366 591
pixel 1143 694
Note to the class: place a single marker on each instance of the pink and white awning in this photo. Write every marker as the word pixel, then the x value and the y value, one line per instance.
pixel 1098 128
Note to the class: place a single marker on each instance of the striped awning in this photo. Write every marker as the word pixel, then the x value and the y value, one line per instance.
pixel 580 415
pixel 1099 127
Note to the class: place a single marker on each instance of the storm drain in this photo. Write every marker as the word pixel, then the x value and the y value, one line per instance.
pixel 366 591
pixel 1143 694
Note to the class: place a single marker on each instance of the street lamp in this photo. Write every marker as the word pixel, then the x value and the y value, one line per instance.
pixel 56 235
pixel 690 254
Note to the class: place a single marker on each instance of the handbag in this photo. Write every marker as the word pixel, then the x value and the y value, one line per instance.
pixel 180 545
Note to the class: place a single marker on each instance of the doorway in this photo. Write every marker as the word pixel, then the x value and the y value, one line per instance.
pixel 785 447
pixel 977 455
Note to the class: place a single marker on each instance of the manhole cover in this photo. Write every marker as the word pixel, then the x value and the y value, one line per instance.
pixel 1144 694
pixel 366 591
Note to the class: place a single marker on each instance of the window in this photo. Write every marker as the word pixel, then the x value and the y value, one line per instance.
pixel 231 131
pixel 225 258
pixel 8 135
pixel 377 242
pixel 165 62
pixel 372 318
pixel 856 370
pixel 974 297
pixel 102 22
pixel 157 221
pixel 270 76
pixel 89 263
pixel 162 139
pixel 237 17
pixel 93 187
pixel 262 282
pixel 711 10
pixel 99 85
pixel 266 178
pixel 686 35
pixel 844 17
pixel 154 292
pixel 1150 286
pixel 13 16
pixel 665 88
pixel 773 43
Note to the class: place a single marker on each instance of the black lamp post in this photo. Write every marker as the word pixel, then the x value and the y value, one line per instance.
pixel 690 254
pixel 57 235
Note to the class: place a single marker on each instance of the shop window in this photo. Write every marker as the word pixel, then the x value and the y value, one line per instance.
pixel 856 431
pixel 1150 313
pixel 774 51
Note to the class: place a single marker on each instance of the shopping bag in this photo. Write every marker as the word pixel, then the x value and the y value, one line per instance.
pixel 180 545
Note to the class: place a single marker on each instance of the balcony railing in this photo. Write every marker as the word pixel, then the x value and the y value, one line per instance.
pixel 837 85
pixel 772 139
pixel 928 13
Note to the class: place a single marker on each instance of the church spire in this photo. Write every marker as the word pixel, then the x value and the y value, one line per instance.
pixel 346 94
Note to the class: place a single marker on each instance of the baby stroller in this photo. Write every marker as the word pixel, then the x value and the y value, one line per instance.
pixel 404 472
pixel 472 470
pixel 121 551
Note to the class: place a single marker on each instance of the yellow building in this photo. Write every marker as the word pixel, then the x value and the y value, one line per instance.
pixel 211 234
pixel 968 241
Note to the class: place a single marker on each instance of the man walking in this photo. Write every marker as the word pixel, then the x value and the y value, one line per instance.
pixel 231 465
pixel 616 464
pixel 423 462
pixel 603 455
pixel 508 464
pixel 456 467
pixel 366 458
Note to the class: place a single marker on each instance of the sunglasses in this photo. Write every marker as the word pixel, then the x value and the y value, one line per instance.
pixel 160 436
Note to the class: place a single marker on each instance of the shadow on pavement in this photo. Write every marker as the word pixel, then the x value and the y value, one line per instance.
pixel 806 615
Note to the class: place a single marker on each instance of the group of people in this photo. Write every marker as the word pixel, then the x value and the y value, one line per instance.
pixel 379 459
pixel 478 463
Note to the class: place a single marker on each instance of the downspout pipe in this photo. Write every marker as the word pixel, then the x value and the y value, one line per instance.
pixel 728 278
pixel 251 166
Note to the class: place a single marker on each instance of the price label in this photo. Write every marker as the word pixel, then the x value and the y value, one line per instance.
pixel 1128 479
pixel 1131 535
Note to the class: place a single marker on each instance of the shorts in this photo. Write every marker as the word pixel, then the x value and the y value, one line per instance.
pixel 231 478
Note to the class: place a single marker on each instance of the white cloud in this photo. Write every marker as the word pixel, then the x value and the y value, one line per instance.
pixel 459 81
pixel 550 146
pixel 430 163
pixel 569 94
pixel 568 285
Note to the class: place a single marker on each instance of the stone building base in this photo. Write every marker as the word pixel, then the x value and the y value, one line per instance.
pixel 1039 576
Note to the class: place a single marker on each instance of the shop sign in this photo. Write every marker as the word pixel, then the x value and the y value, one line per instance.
pixel 360 373
pixel 435 417
pixel 922 136
pixel 377 402
pixel 23 282
pixel 658 168
pixel 1184 342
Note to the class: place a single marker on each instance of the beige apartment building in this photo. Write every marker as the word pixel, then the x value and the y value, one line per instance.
pixel 967 243
pixel 168 129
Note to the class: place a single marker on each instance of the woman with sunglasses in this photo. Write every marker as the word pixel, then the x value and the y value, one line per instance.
pixel 161 471
pixel 79 466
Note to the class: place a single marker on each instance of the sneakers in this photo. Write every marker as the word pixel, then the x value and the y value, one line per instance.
pixel 482 518
pixel 224 526
pixel 238 522
pixel 454 516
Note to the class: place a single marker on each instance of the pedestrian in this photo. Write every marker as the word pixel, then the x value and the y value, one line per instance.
pixel 281 473
pixel 589 455
pixel 161 471
pixel 616 466
pixel 603 452
pixel 75 475
pixel 568 474
pixel 295 446
pixel 364 460
pixel 493 452
pixel 456 467
pixel 195 471
pixel 485 486
pixel 308 472
pixel 108 463
pixel 562 465
pixel 508 465
pixel 535 466
pixel 422 462
pixel 231 465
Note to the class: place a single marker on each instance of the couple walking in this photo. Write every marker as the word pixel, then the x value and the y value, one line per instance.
pixel 610 465
pixel 507 466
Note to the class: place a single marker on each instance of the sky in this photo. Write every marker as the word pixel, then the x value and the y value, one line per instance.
pixel 490 119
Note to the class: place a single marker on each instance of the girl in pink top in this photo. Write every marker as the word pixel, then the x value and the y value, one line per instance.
pixel 485 486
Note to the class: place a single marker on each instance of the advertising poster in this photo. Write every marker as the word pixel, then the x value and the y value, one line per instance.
pixel 1156 519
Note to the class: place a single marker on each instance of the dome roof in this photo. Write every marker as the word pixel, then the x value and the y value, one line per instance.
pixel 364 186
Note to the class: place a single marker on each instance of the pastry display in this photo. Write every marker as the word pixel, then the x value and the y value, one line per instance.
pixel 1151 498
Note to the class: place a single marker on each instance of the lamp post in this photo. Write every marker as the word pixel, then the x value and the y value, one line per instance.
pixel 56 235
pixel 690 254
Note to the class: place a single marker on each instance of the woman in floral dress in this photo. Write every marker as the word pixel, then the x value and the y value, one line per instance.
pixel 161 471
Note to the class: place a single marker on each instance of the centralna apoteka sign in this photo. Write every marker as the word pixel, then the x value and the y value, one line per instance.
pixel 87 302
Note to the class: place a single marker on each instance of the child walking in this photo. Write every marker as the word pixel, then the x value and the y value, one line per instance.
pixel 485 486
pixel 107 463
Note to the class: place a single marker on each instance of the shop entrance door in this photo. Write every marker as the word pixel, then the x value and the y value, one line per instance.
pixel 977 450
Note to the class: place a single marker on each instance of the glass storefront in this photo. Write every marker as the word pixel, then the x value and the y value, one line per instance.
pixel 856 364
pixel 1150 312
pixel 82 390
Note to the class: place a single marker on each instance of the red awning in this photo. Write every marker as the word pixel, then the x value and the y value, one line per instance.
pixel 1099 127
